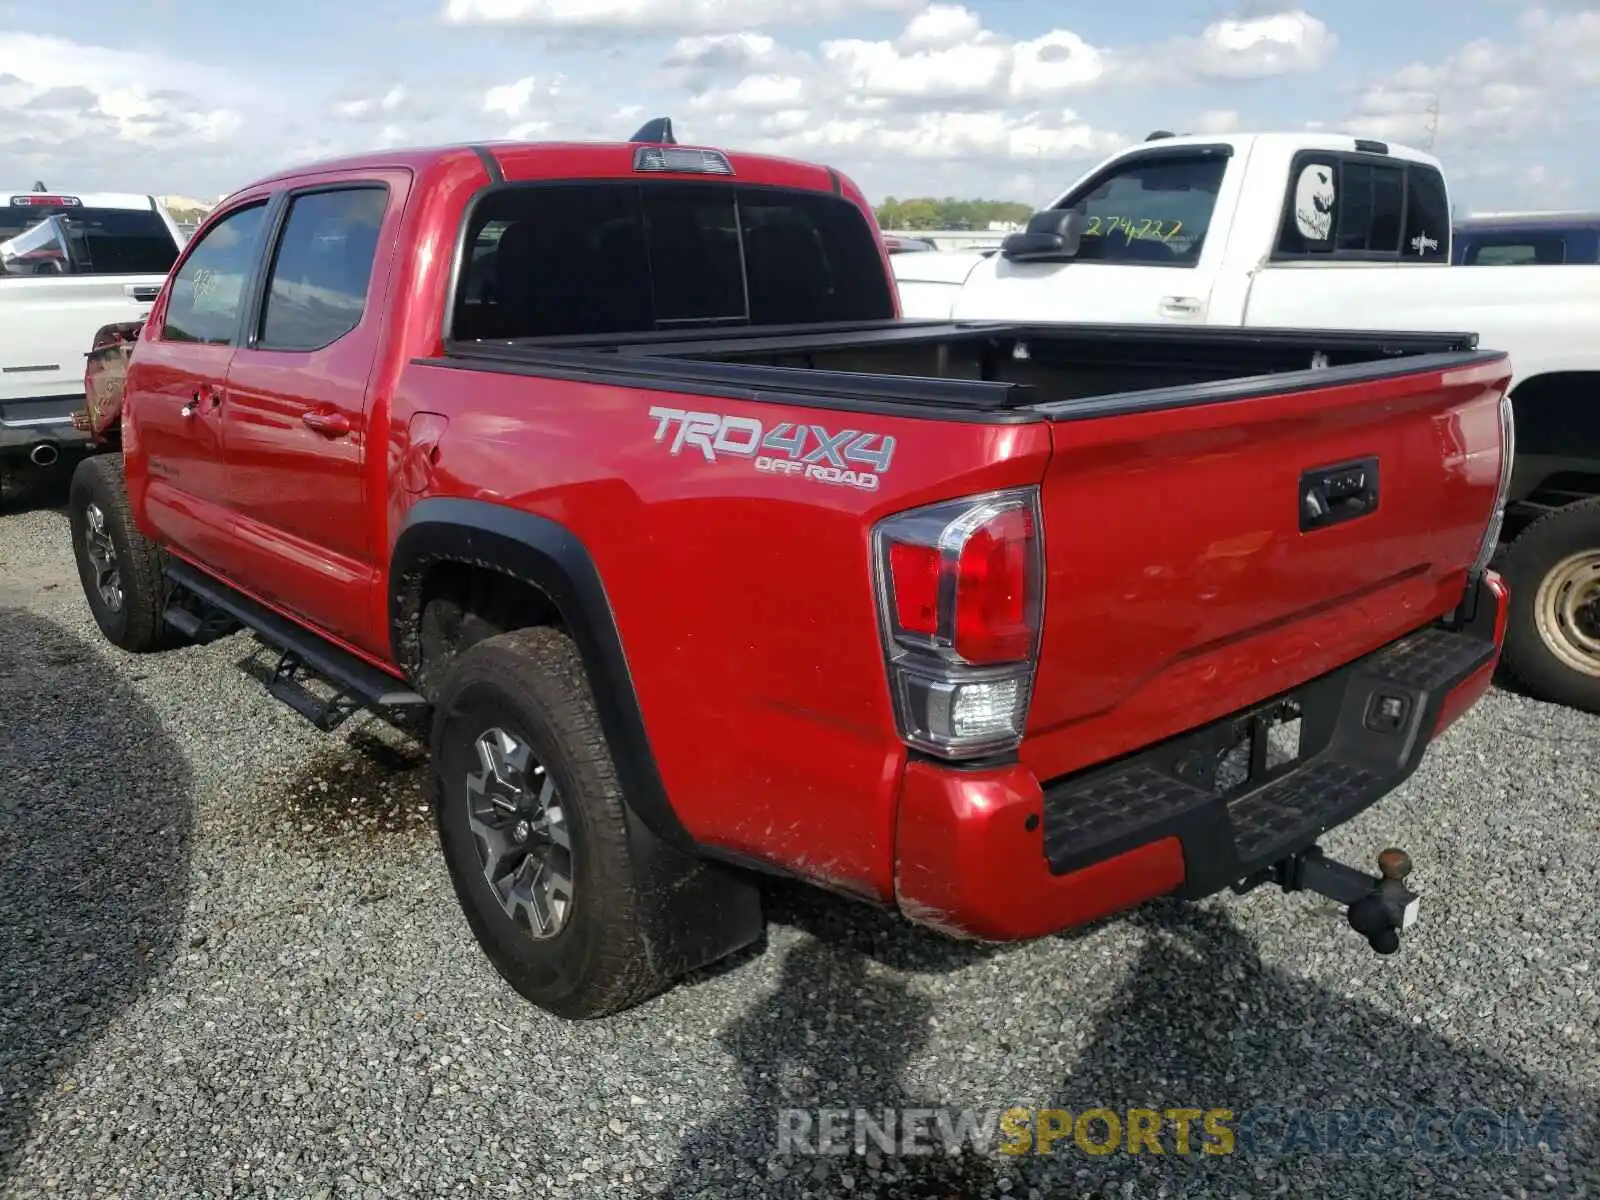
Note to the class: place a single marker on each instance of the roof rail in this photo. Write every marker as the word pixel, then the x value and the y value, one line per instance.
pixel 657 130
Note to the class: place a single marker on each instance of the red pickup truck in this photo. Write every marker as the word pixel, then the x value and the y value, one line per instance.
pixel 615 464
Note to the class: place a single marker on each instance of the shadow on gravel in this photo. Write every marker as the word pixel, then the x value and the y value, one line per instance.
pixel 95 824
pixel 854 927
pixel 833 1034
pixel 27 488
pixel 1199 1023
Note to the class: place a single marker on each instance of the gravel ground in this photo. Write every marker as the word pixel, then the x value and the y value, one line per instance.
pixel 231 964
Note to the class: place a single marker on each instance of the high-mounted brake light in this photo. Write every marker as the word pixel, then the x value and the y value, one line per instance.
pixel 684 159
pixel 960 589
pixel 34 200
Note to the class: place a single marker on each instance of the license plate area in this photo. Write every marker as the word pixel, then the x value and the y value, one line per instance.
pixel 1247 752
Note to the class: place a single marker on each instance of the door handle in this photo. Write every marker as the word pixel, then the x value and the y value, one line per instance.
pixel 329 424
pixel 1179 306
pixel 210 396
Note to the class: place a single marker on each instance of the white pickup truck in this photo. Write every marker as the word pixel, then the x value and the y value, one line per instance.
pixel 69 265
pixel 1338 233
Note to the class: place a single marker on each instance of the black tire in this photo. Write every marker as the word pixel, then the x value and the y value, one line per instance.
pixel 136 623
pixel 531 683
pixel 1536 552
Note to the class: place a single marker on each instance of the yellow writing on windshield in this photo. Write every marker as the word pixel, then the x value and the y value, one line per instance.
pixel 1131 228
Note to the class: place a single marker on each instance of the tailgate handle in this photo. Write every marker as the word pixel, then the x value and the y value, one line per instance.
pixel 1332 495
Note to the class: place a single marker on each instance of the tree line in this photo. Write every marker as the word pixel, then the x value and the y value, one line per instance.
pixel 925 212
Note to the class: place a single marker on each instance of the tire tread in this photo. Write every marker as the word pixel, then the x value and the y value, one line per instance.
pixel 140 561
pixel 1524 562
pixel 541 667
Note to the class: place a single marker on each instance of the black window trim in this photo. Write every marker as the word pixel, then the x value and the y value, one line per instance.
pixel 1404 165
pixel 1199 152
pixel 268 204
pixel 254 310
pixel 462 249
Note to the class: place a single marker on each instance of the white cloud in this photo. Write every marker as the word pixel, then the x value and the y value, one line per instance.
pixel 1215 121
pixel 1286 43
pixel 969 138
pixel 1230 52
pixel 1491 92
pixel 755 93
pixel 518 100
pixel 365 108
pixel 1059 61
pixel 881 69
pixel 509 99
pixel 934 104
pixel 722 51
pixel 940 26
pixel 70 91
pixel 658 16
pixel 944 94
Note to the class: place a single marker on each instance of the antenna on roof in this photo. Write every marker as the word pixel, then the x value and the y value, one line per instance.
pixel 1158 134
pixel 38 185
pixel 658 130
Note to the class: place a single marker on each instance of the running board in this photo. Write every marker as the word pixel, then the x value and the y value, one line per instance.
pixel 358 684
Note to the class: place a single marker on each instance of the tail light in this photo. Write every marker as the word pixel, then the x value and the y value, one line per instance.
pixel 960 588
pixel 1508 452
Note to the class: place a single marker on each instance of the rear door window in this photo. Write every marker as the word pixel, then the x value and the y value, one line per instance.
pixel 61 236
pixel 1364 208
pixel 317 290
pixel 1427 231
pixel 615 257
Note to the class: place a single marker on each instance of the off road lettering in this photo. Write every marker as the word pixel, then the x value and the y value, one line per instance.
pixel 808 451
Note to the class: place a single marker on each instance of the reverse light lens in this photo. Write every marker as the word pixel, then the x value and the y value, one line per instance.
pixel 960 718
pixel 983 710
pixel 960 592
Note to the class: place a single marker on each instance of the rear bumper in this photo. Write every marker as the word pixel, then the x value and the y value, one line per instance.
pixel 994 853
pixel 26 423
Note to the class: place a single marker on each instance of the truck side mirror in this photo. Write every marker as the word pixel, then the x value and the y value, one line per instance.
pixel 1053 235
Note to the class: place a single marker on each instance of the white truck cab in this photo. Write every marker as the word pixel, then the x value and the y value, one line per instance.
pixel 1330 231
pixel 70 263
pixel 1179 229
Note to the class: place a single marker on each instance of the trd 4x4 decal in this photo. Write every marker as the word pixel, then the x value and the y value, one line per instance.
pixel 809 451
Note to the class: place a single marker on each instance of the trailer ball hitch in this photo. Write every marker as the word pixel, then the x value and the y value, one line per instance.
pixel 1379 909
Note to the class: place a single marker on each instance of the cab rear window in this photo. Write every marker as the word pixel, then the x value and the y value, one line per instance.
pixel 71 239
pixel 553 260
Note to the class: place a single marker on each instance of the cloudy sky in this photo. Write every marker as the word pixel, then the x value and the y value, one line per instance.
pixel 1005 99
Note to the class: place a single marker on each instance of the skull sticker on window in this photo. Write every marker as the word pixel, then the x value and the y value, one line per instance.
pixel 1313 202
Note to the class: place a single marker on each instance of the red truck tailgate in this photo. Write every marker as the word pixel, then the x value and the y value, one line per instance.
pixel 1188 575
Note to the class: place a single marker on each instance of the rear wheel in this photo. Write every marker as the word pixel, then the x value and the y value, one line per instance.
pixel 533 828
pixel 119 567
pixel 1553 636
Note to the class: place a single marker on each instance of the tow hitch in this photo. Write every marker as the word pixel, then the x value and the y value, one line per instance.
pixel 1379 908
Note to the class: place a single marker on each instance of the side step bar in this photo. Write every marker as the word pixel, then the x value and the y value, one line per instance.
pixel 358 684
